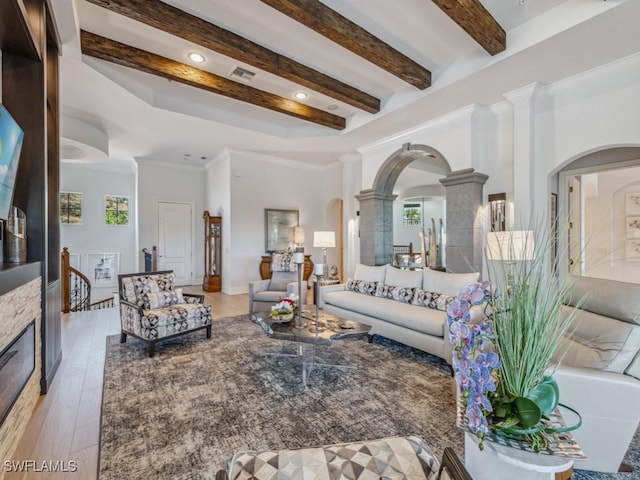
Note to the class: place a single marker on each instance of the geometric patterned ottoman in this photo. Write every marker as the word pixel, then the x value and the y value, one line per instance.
pixel 388 458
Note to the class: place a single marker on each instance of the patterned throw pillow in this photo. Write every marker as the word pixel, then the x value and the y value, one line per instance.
pixel 401 294
pixel 440 301
pixel 164 299
pixel 360 286
pixel 421 298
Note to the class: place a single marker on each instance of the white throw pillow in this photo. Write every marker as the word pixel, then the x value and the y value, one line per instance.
pixel 370 274
pixel 447 283
pixel 403 278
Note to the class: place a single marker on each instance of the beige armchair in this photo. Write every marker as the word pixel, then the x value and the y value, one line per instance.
pixel 264 293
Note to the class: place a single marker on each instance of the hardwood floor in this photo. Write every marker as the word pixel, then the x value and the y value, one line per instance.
pixel 65 425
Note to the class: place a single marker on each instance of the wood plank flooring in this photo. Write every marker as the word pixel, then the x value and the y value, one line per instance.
pixel 65 424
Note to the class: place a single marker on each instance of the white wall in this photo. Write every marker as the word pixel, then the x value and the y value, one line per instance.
pixel 604 218
pixel 94 236
pixel 163 182
pixel 261 181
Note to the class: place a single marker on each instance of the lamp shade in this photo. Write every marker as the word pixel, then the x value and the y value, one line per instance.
pixel 324 239
pixel 510 246
pixel 298 235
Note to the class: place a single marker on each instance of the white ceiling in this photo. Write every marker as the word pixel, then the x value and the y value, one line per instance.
pixel 147 117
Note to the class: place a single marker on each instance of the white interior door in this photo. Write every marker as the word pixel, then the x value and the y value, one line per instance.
pixel 175 240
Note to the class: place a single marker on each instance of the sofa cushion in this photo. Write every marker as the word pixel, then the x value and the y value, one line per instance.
pixel 361 286
pixel 280 280
pixel 370 274
pixel 423 320
pixel 447 283
pixel 401 294
pixel 599 342
pixel 439 301
pixel 610 298
pixel 164 299
pixel 403 278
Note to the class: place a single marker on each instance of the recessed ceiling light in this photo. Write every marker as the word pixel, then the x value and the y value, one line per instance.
pixel 333 106
pixel 300 95
pixel 196 57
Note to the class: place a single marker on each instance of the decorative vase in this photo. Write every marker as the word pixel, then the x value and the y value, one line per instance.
pixel 282 318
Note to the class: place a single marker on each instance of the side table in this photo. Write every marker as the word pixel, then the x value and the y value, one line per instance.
pixel 323 283
pixel 498 462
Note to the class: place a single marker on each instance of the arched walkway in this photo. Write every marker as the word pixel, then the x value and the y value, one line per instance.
pixel 463 199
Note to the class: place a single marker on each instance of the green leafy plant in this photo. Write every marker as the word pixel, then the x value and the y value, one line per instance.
pixel 528 325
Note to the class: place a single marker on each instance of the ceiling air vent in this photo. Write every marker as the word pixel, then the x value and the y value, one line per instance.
pixel 240 73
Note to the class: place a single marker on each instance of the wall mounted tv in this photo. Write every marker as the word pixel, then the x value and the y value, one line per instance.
pixel 11 136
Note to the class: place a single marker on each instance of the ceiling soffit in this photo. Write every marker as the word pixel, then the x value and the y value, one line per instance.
pixel 128 56
pixel 179 23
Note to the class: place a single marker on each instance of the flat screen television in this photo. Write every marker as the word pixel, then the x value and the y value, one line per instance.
pixel 11 136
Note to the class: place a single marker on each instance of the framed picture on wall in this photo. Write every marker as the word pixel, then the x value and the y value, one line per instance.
pixel 633 203
pixel 103 268
pixel 633 226
pixel 633 250
pixel 278 228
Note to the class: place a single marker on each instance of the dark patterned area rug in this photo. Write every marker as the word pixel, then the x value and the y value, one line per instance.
pixel 185 412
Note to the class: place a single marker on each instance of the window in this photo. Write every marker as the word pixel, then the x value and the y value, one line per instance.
pixel 116 210
pixel 411 214
pixel 71 208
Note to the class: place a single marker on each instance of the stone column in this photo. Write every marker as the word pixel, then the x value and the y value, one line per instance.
pixel 376 226
pixel 464 220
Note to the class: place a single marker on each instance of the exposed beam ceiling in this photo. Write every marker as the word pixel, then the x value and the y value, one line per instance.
pixel 317 16
pixel 477 22
pixel 177 22
pixel 121 54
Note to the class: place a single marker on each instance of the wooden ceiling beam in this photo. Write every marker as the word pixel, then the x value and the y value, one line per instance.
pixel 477 22
pixel 329 23
pixel 128 56
pixel 181 24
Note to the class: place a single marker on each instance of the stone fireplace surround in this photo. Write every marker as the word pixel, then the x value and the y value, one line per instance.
pixel 20 304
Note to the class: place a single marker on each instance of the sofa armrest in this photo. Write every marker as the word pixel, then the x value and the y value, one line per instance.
pixel 327 289
pixel 126 305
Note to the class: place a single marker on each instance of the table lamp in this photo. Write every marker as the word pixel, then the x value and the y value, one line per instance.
pixel 324 240
pixel 510 247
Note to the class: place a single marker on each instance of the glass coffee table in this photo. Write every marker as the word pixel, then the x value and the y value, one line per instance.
pixel 311 336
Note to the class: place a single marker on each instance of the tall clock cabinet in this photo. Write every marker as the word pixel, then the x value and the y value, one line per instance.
pixel 212 281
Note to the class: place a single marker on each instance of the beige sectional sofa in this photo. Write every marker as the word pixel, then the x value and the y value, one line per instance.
pixel 599 375
pixel 406 306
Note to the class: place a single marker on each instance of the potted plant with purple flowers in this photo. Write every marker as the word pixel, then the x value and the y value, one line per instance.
pixel 502 362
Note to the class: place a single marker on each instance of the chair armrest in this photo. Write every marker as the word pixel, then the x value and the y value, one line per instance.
pixel 452 465
pixel 258 286
pixel 222 475
pixel 126 305
pixel 293 287
pixel 199 298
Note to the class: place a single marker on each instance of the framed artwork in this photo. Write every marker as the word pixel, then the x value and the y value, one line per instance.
pixel 633 226
pixel 633 203
pixel 633 250
pixel 103 268
pixel 278 228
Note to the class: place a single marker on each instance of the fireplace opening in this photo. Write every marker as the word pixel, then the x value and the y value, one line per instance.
pixel 17 363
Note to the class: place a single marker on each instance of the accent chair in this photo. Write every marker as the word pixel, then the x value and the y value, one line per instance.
pixel 152 309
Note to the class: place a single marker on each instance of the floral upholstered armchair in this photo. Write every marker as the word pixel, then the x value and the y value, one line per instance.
pixel 152 309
